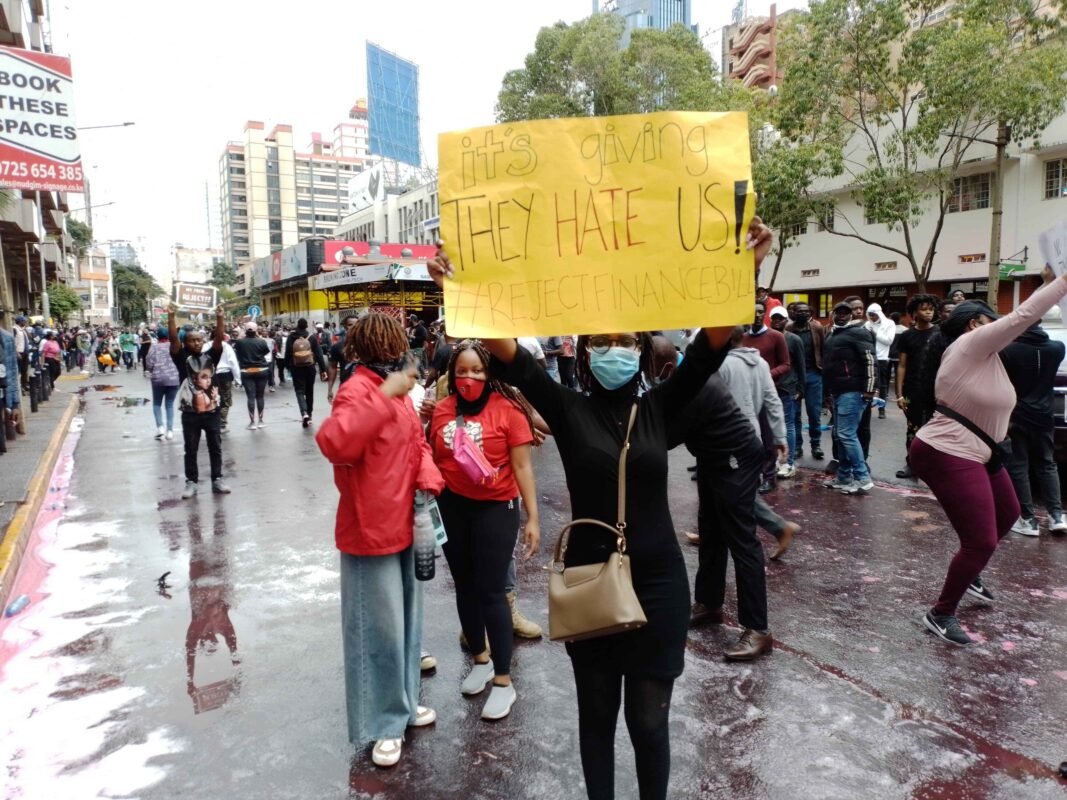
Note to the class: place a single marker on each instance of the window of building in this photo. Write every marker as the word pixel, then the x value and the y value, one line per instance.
pixel 274 224
pixel 971 192
pixel 237 184
pixel 240 226
pixel 274 209
pixel 809 273
pixel 240 240
pixel 237 170
pixel 324 178
pixel 273 182
pixel 882 266
pixel 303 202
pixel 241 253
pixel 240 198
pixel 826 304
pixel 274 195
pixel 1055 178
pixel 237 156
pixel 826 223
pixel 307 231
pixel 272 153
pixel 276 240
pixel 798 230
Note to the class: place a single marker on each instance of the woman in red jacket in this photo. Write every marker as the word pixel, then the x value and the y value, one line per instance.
pixel 380 457
pixel 482 516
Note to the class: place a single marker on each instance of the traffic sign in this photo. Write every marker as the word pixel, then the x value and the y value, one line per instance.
pixel 254 311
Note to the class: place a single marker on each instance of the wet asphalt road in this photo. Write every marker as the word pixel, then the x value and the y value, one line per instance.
pixel 101 699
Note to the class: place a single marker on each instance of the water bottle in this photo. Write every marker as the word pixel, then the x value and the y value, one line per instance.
pixel 425 538
pixel 877 402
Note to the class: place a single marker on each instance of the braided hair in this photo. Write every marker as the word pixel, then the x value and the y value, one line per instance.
pixel 581 362
pixel 375 338
pixel 506 391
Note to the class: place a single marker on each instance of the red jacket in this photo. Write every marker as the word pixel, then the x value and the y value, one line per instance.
pixel 380 456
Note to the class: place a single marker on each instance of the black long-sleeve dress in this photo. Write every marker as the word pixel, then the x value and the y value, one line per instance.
pixel 589 432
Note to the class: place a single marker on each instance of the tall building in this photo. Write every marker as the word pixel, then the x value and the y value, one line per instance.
pixel 272 196
pixel 750 50
pixel 658 14
pixel 123 251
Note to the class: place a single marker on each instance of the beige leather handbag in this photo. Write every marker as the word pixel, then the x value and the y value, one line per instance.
pixel 595 599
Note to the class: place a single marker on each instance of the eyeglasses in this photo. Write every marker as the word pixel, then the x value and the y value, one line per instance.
pixel 601 344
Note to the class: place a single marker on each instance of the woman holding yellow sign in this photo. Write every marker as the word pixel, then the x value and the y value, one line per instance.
pixel 637 668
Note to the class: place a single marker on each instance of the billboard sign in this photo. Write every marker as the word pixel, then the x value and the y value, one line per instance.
pixel 195 296
pixel 366 188
pixel 393 106
pixel 280 265
pixel 340 254
pixel 39 147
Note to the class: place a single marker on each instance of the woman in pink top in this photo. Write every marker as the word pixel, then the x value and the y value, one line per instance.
pixel 52 356
pixel 972 382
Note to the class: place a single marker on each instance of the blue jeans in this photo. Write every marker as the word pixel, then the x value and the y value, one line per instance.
pixel 159 394
pixel 791 408
pixel 813 403
pixel 849 408
pixel 381 622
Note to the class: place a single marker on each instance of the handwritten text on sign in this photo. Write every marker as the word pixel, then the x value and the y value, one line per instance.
pixel 597 225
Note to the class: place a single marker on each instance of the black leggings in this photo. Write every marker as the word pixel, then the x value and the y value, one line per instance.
pixel 647 710
pixel 255 384
pixel 481 540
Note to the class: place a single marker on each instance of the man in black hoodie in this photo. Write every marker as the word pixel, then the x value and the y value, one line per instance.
pixel 1031 362
pixel 849 376
pixel 302 355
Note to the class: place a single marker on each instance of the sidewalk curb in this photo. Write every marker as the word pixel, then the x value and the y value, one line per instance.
pixel 18 532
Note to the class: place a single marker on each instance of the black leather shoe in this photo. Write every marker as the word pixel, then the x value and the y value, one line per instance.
pixel 906 472
pixel 766 486
pixel 702 615
pixel 818 455
pixel 750 646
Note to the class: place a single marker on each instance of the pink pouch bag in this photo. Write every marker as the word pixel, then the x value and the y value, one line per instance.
pixel 470 457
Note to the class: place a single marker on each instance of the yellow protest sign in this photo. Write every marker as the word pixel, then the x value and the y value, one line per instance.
pixel 598 224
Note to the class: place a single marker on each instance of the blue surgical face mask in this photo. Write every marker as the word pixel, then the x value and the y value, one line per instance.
pixel 615 368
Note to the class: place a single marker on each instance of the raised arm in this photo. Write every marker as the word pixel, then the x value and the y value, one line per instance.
pixel 220 329
pixel 172 329
pixel 994 337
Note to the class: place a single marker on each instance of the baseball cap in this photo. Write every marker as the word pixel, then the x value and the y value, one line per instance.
pixel 778 311
pixel 842 304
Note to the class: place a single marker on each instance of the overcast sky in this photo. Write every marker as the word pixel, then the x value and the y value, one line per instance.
pixel 190 74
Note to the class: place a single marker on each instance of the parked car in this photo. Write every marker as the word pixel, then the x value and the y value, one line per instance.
pixel 1053 325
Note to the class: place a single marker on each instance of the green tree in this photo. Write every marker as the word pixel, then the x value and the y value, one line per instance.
pixel 63 301
pixel 582 70
pixel 223 276
pixel 891 104
pixel 81 234
pixel 133 288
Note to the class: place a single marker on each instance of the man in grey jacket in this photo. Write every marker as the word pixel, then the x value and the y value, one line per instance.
pixel 748 377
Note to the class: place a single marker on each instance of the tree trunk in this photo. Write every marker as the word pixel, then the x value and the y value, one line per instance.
pixel 997 201
pixel 777 263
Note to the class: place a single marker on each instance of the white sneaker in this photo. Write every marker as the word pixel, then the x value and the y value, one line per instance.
pixel 387 752
pixel 160 431
pixel 423 716
pixel 787 471
pixel 251 426
pixel 170 435
pixel 1026 527
pixel 1057 524
pixel 477 679
pixel 500 701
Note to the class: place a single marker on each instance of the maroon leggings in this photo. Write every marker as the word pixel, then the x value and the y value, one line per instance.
pixel 981 507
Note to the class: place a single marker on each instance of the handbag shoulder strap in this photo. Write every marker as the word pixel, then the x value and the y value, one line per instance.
pixel 621 524
pixel 969 425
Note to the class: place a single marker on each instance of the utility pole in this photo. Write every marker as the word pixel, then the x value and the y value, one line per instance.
pixel 997 201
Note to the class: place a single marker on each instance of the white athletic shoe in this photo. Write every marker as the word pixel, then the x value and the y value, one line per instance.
pixel 1026 527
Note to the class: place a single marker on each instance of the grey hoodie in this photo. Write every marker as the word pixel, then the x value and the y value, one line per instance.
pixel 749 379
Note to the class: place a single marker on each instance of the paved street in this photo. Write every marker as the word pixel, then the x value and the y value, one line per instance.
pixel 101 700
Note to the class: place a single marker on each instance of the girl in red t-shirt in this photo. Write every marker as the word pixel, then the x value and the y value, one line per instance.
pixel 482 518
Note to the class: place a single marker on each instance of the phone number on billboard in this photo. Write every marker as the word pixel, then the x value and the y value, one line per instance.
pixel 18 169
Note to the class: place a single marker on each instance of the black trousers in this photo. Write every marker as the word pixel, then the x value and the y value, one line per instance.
pixel 726 521
pixel 883 379
pixel 481 541
pixel 566 371
pixel 304 383
pixel 255 384
pixel 647 707
pixel 211 426
pixel 281 369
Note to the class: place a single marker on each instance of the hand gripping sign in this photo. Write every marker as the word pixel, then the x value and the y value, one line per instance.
pixel 598 224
